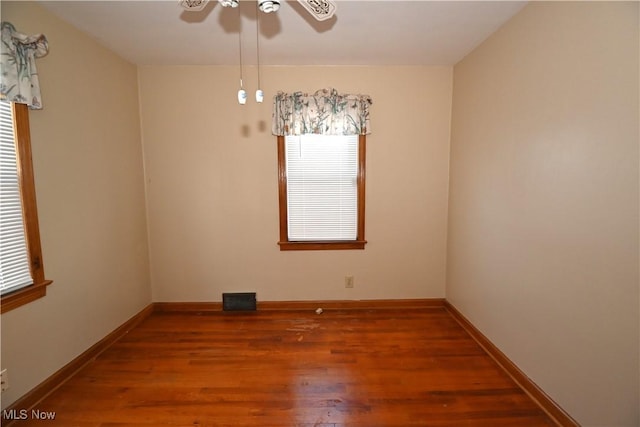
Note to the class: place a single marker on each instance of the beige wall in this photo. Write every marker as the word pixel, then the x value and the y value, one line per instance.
pixel 543 224
pixel 90 189
pixel 212 185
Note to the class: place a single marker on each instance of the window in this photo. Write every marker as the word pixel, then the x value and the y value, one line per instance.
pixel 321 191
pixel 21 268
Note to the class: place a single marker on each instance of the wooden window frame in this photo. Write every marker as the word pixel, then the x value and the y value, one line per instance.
pixel 287 245
pixel 38 289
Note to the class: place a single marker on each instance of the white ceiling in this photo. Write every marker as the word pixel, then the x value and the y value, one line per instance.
pixel 362 32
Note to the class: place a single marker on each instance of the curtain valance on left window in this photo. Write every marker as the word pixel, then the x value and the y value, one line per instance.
pixel 326 112
pixel 19 77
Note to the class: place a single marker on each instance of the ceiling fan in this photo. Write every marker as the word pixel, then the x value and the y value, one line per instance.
pixel 319 9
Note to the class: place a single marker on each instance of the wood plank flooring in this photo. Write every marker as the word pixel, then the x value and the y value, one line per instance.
pixel 340 368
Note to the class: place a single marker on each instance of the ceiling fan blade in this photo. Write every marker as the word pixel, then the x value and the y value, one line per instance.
pixel 193 5
pixel 320 9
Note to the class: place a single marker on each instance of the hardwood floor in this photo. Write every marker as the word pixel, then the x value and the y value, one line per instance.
pixel 340 368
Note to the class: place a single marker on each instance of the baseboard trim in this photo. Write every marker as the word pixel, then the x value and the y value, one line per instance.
pixel 524 382
pixel 380 304
pixel 51 384
pixel 383 304
pixel 186 307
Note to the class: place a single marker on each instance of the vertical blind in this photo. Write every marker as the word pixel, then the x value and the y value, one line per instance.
pixel 322 190
pixel 14 261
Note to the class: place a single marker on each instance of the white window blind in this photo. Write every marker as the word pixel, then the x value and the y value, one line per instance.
pixel 322 191
pixel 14 261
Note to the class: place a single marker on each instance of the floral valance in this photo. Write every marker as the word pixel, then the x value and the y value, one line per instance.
pixel 19 77
pixel 325 112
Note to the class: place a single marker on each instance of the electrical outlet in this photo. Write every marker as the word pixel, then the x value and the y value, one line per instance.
pixel 4 380
pixel 348 281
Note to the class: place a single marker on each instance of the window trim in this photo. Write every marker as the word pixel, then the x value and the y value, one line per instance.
pixel 38 289
pixel 284 243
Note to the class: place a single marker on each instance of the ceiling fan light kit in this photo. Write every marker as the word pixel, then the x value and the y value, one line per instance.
pixel 321 10
pixel 229 3
pixel 268 6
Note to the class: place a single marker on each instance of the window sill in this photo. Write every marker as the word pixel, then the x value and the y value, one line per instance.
pixel 23 296
pixel 322 246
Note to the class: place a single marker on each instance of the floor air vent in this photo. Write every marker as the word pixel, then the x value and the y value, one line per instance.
pixel 239 301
